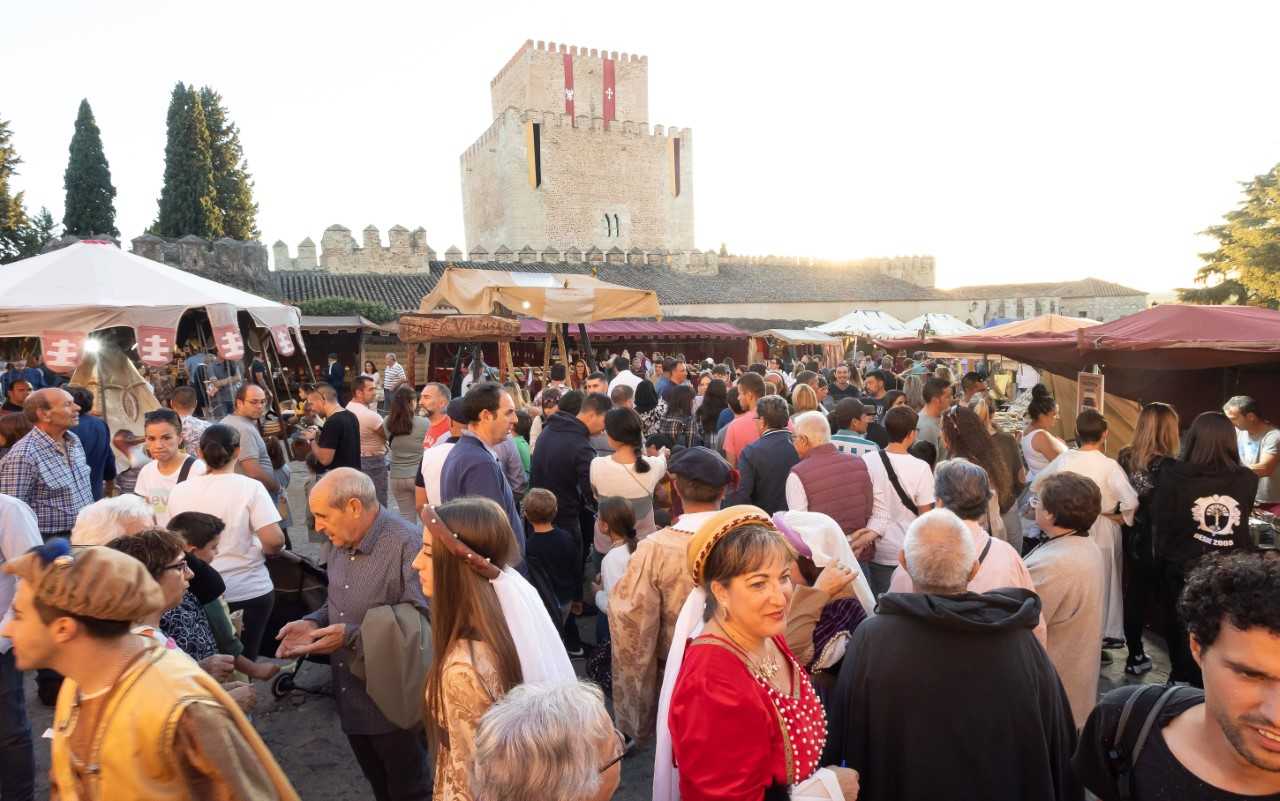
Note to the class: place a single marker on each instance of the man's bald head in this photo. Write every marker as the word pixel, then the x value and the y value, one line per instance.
pixel 51 409
pixel 344 504
pixel 938 553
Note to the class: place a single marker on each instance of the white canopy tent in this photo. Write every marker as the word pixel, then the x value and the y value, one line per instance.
pixel 938 324
pixel 865 323
pixel 64 295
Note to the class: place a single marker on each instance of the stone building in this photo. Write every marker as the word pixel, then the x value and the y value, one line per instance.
pixel 228 261
pixel 570 160
pixel 407 251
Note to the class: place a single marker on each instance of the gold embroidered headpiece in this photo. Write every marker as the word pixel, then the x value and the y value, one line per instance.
pixel 452 543
pixel 716 528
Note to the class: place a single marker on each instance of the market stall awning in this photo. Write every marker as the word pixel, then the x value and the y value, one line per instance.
pixel 939 324
pixel 990 340
pixel 796 336
pixel 642 329
pixel 344 323
pixel 1043 324
pixel 90 286
pixel 550 297
pixel 865 323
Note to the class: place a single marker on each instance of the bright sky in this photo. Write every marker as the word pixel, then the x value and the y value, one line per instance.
pixel 1013 141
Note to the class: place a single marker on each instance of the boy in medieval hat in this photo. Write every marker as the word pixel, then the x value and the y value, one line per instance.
pixel 134 719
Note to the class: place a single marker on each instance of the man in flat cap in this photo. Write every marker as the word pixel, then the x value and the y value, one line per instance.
pixel 134 720
pixel 646 601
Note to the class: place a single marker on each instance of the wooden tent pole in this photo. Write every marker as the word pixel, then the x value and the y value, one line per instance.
pixel 546 355
pixel 586 346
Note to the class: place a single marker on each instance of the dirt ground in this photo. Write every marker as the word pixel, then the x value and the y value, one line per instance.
pixel 302 729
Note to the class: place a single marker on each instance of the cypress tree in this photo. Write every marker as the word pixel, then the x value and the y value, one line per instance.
pixel 232 182
pixel 188 200
pixel 89 208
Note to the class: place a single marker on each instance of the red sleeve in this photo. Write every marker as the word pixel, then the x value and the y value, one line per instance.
pixel 725 740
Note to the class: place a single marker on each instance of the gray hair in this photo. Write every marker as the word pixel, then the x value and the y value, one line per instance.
pixel 1242 404
pixel 541 741
pixel 774 411
pixel 963 487
pixel 939 552
pixel 345 483
pixel 442 389
pixel 102 521
pixel 814 427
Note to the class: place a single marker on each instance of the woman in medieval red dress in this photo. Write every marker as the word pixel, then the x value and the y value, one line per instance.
pixel 742 719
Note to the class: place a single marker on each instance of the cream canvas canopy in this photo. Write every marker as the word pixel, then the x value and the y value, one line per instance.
pixel 865 323
pixel 1045 323
pixel 551 297
pixel 90 286
pixel 938 324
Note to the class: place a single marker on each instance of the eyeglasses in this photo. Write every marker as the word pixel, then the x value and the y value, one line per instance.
pixel 622 751
pixel 180 566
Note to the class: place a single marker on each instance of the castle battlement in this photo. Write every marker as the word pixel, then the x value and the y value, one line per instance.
pixel 579 125
pixel 692 262
pixel 405 252
pixel 566 49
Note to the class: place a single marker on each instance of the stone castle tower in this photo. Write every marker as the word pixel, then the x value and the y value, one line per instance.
pixel 570 160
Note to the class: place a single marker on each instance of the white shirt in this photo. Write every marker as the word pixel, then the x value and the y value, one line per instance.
pixel 1027 377
pixel 156 487
pixel 1101 470
pixel 797 498
pixel 614 478
pixel 612 568
pixel 889 517
pixel 625 379
pixel 432 465
pixel 19 533
pixel 244 506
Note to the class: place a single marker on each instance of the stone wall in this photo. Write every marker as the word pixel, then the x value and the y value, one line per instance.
pixel 1103 309
pixel 600 187
pixel 918 270
pixel 534 78
pixel 406 252
pixel 242 264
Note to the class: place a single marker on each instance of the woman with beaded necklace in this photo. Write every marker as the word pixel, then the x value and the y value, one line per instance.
pixel 741 719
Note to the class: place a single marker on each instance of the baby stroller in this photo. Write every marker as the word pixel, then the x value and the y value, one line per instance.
pixel 301 587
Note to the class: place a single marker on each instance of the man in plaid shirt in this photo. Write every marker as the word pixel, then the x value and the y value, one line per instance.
pixel 47 469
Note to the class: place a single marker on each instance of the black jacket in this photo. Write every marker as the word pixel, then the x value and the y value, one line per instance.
pixel 952 697
pixel 1196 510
pixel 336 374
pixel 561 462
pixel 763 467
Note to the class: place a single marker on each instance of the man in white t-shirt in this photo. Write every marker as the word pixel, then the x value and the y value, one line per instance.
pixel 890 514
pixel 168 465
pixel 433 457
pixel 373 436
pixel 625 377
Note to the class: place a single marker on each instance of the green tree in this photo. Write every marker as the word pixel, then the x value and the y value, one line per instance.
pixel 90 207
pixel 232 182
pixel 20 236
pixel 1245 267
pixel 188 200
pixel 340 307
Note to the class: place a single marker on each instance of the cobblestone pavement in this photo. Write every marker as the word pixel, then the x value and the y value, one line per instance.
pixel 302 729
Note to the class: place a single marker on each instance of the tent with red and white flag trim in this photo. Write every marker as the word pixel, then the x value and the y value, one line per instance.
pixel 64 295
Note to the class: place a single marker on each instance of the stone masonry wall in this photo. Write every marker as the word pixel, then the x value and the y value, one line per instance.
pixel 406 252
pixel 534 78
pixel 588 171
pixel 242 264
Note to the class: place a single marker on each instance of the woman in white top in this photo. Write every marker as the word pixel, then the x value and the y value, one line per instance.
pixel 627 473
pixel 1039 447
pixel 169 464
pixel 252 529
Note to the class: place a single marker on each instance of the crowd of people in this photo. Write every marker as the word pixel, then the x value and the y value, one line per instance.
pixel 809 581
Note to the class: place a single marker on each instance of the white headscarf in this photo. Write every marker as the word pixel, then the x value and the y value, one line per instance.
pixel 827 543
pixel 538 644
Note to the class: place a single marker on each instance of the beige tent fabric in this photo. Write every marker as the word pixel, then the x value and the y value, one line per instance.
pixel 553 297
pixel 124 397
pixel 1044 324
pixel 1121 413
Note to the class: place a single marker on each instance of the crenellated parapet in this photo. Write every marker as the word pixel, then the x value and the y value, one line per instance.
pixel 239 263
pixel 405 252
pixel 693 262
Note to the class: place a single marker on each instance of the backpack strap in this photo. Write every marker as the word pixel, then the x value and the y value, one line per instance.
pixel 1126 747
pixel 185 471
pixel 897 485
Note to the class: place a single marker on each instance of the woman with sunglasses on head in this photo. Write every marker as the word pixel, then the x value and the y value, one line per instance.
pixel 742 719
pixel 489 630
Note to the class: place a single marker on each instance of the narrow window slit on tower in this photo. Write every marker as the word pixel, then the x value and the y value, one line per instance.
pixel 675 166
pixel 533 146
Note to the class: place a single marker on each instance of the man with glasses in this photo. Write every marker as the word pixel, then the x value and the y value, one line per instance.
pixel 255 459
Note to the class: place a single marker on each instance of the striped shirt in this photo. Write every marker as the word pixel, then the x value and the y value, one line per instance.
pixel 850 443
pixel 392 377
pixel 54 482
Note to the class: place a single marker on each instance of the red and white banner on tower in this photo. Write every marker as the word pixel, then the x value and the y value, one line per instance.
pixel 568 84
pixel 610 92
pixel 62 350
pixel 226 331
pixel 284 342
pixel 155 344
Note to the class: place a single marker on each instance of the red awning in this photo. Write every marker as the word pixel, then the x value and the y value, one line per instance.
pixel 641 329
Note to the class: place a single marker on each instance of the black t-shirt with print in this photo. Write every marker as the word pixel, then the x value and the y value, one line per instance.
pixel 1158 775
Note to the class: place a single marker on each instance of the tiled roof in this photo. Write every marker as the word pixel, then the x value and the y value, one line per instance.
pixel 1084 288
pixel 733 284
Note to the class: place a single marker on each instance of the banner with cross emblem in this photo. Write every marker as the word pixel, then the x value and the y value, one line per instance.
pixel 284 342
pixel 155 344
pixel 226 331
pixel 62 350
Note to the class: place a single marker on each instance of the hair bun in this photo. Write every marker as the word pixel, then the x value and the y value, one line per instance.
pixel 1040 391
